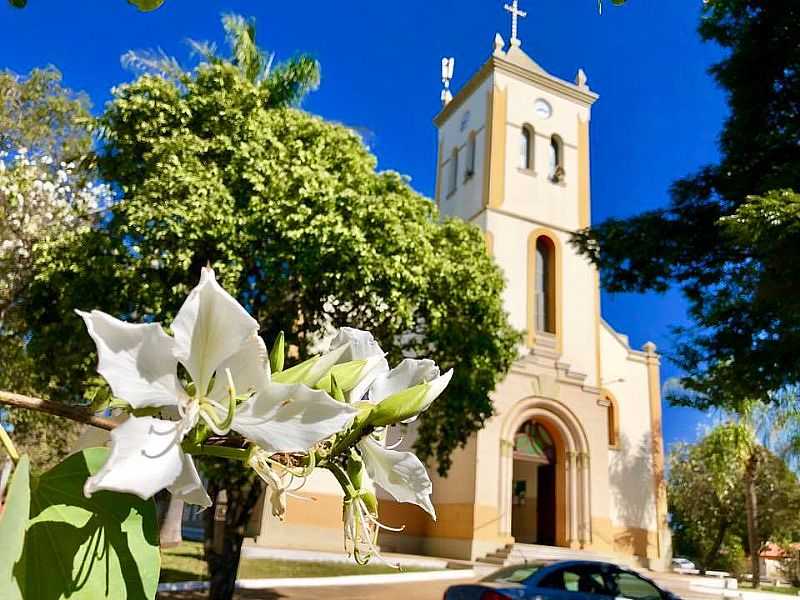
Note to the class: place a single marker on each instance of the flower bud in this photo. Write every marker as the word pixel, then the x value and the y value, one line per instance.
pixel 400 406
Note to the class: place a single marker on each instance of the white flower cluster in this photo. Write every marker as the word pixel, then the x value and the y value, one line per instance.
pixel 330 411
pixel 38 201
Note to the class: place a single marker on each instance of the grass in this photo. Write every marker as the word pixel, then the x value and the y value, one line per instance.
pixel 789 590
pixel 185 563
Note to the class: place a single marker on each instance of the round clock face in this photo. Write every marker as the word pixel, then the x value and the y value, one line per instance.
pixel 542 108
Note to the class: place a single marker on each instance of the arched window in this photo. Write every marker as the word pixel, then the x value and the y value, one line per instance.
pixel 612 411
pixel 545 285
pixel 526 148
pixel 470 168
pixel 453 177
pixel 556 159
pixel 533 443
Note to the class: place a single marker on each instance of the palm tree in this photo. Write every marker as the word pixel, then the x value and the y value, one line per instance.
pixel 776 427
pixel 287 82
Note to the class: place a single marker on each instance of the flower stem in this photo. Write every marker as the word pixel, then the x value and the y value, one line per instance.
pixel 222 452
pixel 60 409
pixel 9 445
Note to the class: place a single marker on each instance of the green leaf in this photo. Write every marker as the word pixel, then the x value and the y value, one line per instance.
pixel 146 5
pixel 277 355
pixel 105 546
pixel 12 528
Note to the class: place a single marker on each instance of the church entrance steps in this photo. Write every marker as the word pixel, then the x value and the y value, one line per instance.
pixel 520 553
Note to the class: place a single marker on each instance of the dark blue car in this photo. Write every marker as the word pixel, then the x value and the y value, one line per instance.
pixel 563 580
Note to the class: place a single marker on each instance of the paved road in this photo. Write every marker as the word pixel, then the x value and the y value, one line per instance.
pixel 398 591
pixel 406 591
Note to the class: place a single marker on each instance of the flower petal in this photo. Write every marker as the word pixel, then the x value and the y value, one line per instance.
pixel 210 327
pixel 188 486
pixel 290 418
pixel 362 344
pixel 370 374
pixel 146 457
pixel 136 360
pixel 249 369
pixel 407 374
pixel 435 388
pixel 401 474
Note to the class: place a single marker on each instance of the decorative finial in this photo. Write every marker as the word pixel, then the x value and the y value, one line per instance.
pixel 581 80
pixel 499 43
pixel 513 8
pixel 448 65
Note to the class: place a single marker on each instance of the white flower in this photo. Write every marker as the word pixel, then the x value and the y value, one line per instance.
pixel 361 526
pixel 401 474
pixel 409 373
pixel 217 343
pixel 361 346
pixel 260 462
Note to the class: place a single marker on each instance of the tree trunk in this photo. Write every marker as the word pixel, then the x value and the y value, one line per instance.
pixel 225 523
pixel 751 506
pixel 714 550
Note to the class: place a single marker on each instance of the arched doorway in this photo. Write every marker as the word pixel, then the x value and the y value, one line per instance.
pixel 537 481
pixel 573 512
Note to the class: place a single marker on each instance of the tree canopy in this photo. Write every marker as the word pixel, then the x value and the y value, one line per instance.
pixel 707 498
pixel 289 209
pixel 41 115
pixel 739 348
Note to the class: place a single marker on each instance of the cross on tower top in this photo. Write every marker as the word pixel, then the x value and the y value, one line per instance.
pixel 513 8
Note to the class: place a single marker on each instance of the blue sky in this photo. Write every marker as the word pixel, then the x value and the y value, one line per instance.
pixel 657 119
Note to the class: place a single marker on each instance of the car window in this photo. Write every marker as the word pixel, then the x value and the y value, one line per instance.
pixel 514 574
pixel 584 579
pixel 628 585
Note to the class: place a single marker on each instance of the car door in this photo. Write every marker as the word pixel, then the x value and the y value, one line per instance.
pixel 629 586
pixel 575 582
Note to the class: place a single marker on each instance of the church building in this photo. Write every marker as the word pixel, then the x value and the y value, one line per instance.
pixel 573 456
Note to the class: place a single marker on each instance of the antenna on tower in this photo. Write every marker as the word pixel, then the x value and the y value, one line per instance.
pixel 448 65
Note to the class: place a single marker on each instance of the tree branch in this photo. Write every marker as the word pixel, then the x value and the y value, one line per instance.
pixel 73 413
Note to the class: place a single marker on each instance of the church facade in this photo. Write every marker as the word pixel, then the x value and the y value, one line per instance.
pixel 573 456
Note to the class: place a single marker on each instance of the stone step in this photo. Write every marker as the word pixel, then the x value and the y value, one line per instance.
pixel 516 553
pixel 494 560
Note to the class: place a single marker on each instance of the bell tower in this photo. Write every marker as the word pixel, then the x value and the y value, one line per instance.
pixel 513 158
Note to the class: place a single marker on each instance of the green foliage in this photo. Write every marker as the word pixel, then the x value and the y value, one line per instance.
pixel 105 546
pixel 739 349
pixel 38 113
pixel 13 522
pixel 790 565
pixel 753 317
pixel 707 497
pixel 288 209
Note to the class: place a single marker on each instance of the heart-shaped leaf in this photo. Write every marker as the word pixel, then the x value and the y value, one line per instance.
pixel 12 528
pixel 146 5
pixel 105 546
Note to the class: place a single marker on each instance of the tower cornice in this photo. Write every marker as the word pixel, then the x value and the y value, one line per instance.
pixel 502 65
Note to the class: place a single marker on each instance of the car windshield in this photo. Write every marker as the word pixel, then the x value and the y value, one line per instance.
pixel 515 574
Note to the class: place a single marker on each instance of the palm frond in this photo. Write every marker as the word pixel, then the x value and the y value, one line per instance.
pixel 290 81
pixel 241 37
pixel 154 62
pixel 207 51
